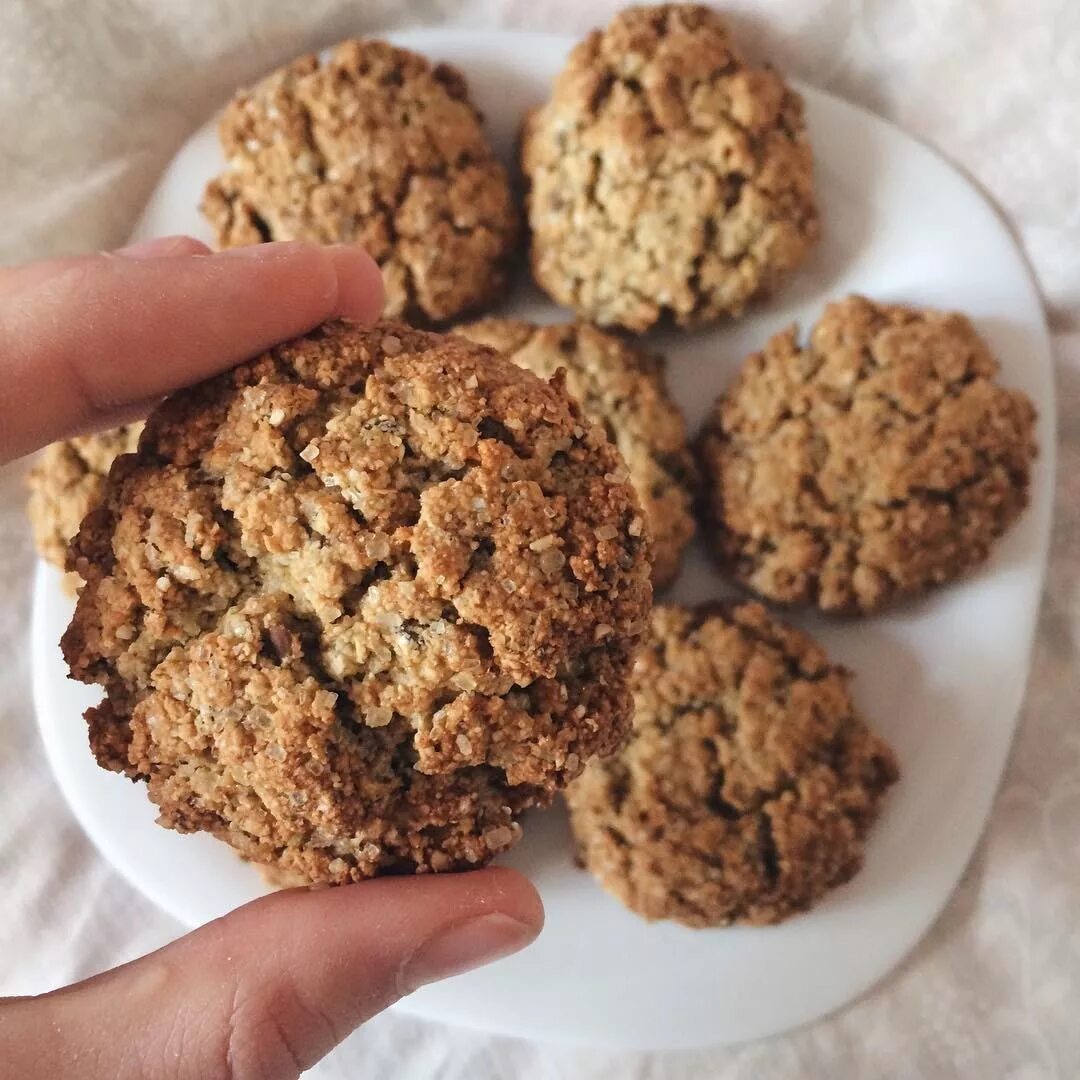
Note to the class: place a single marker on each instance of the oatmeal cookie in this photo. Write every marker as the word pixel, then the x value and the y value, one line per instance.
pixel 374 146
pixel 66 481
pixel 878 460
pixel 360 601
pixel 622 388
pixel 668 179
pixel 749 783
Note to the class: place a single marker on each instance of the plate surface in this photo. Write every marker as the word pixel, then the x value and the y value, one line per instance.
pixel 942 679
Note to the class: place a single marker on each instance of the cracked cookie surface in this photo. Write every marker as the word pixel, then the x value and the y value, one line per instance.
pixel 668 179
pixel 360 601
pixel 66 481
pixel 878 460
pixel 621 387
pixel 379 147
pixel 749 783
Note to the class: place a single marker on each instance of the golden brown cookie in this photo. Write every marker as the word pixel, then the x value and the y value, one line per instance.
pixel 360 601
pixel 622 388
pixel 66 481
pixel 379 147
pixel 749 783
pixel 876 461
pixel 668 179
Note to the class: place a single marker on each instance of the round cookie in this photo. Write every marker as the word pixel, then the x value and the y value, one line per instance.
pixel 876 461
pixel 374 146
pixel 622 388
pixel 667 178
pixel 749 783
pixel 66 481
pixel 360 601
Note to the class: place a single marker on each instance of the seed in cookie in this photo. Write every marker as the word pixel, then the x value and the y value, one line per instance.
pixel 667 178
pixel 379 147
pixel 67 481
pixel 323 603
pixel 749 783
pixel 622 388
pixel 877 460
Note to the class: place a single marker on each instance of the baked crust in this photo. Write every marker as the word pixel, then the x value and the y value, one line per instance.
pixel 749 784
pixel 378 147
pixel 667 178
pixel 876 461
pixel 360 601
pixel 621 387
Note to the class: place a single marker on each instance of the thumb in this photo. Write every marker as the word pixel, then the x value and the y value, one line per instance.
pixel 270 988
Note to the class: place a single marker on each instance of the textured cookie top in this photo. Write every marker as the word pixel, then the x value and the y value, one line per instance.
pixel 357 602
pixel 877 460
pixel 66 481
pixel 622 388
pixel 749 783
pixel 668 178
pixel 379 147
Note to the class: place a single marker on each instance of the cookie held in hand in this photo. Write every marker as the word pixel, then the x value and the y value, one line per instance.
pixel 359 602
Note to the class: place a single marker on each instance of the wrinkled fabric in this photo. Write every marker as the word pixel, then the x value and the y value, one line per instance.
pixel 94 100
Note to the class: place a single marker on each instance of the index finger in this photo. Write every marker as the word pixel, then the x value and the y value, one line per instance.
pixel 83 340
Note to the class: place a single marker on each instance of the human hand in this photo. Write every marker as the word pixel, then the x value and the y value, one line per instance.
pixel 266 991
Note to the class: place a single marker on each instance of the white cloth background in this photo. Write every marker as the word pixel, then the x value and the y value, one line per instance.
pixel 96 96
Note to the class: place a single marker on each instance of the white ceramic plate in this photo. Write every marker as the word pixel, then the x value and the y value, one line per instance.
pixel 942 679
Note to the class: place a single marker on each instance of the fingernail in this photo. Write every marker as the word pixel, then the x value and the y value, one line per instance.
pixel 160 246
pixel 360 283
pixel 359 280
pixel 462 947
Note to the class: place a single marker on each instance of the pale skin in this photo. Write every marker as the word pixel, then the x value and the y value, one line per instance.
pixel 266 991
